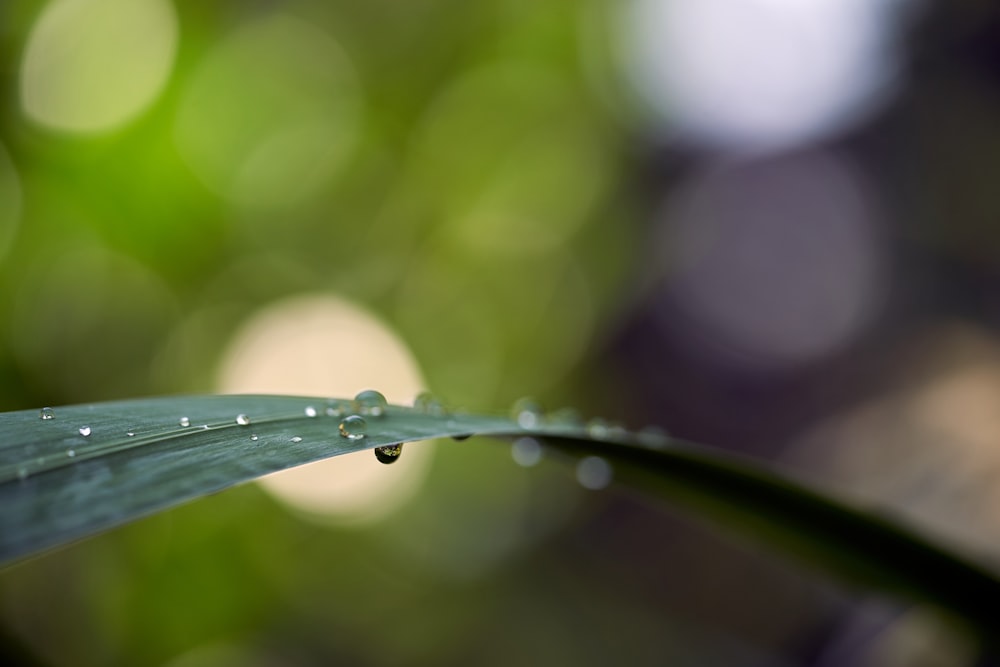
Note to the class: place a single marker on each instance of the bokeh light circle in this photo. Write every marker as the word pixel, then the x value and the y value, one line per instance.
pixel 772 263
pixel 92 65
pixel 326 346
pixel 760 73
pixel 270 113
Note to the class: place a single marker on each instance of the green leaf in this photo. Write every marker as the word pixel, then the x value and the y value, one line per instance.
pixel 92 467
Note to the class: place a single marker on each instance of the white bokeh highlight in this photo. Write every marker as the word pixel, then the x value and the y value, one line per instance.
pixel 760 74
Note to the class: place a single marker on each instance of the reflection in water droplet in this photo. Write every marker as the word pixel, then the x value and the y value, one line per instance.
pixel 71 453
pixel 296 438
pixel 353 427
pixel 427 403
pixel 47 413
pixel 205 427
pixel 593 473
pixel 253 436
pixel 527 452
pixel 242 420
pixel 310 411
pixel 184 421
pixel 130 433
pixel 371 403
pixel 85 431
pixel 389 453
pixel 527 413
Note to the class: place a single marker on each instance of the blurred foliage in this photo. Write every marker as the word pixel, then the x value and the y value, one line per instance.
pixel 474 173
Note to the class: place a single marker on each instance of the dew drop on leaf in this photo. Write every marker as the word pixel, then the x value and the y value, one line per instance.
pixel 527 413
pixel 184 421
pixel 253 436
pixel 428 404
pixel 85 431
pixel 353 427
pixel 242 420
pixel 296 438
pixel 389 453
pixel 47 413
pixel 598 428
pixel 336 408
pixel 71 453
pixel 310 411
pixel 371 403
pixel 526 452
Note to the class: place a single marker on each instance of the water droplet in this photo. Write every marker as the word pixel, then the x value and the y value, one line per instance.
pixel 71 453
pixel 389 453
pixel 336 408
pixel 47 413
pixel 130 433
pixel 527 452
pixel 22 473
pixel 461 437
pixel 242 420
pixel 427 403
pixel 311 411
pixel 371 403
pixel 253 436
pixel 353 427
pixel 527 413
pixel 296 438
pixel 184 421
pixel 598 428
pixel 593 472
pixel 85 431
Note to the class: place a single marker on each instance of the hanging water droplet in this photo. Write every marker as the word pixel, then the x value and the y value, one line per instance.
pixel 371 403
pixel 593 472
pixel 461 437
pixel 526 452
pixel 389 453
pixel 71 453
pixel 428 404
pixel 253 436
pixel 242 420
pixel 185 422
pixel 353 427
pixel 527 413
pixel 310 411
pixel 296 438
pixel 85 431
pixel 47 413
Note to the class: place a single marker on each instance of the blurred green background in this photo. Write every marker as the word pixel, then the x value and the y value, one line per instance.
pixel 762 225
